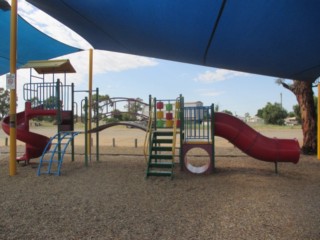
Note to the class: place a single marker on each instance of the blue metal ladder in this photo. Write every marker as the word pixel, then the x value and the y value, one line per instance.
pixel 52 160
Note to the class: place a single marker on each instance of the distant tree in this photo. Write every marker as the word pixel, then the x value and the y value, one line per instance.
pixel 4 103
pixel 49 103
pixel 273 114
pixel 259 113
pixel 228 112
pixel 115 116
pixel 247 116
pixel 98 106
pixel 304 95
pixel 102 100
pixel 34 103
pixel 216 107
pixel 133 107
pixel 291 114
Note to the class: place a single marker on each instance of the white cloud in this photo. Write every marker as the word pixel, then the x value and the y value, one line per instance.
pixel 103 61
pixel 209 92
pixel 50 26
pixel 217 75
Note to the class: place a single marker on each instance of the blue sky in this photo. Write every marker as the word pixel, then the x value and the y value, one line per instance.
pixel 122 75
pixel 234 91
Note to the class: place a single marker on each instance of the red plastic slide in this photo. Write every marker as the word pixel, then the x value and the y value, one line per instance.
pixel 253 143
pixel 35 143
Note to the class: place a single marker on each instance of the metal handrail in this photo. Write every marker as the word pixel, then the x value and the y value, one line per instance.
pixel 146 144
pixel 175 123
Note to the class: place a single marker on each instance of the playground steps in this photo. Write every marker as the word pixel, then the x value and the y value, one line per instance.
pixel 51 160
pixel 161 159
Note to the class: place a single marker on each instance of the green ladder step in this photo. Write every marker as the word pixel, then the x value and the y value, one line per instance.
pixel 159 173
pixel 162 133
pixel 162 141
pixel 161 157
pixel 162 149
pixel 161 165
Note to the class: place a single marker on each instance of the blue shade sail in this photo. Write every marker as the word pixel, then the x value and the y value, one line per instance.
pixel 277 38
pixel 31 43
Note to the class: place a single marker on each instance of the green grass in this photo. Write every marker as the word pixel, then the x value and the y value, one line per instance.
pixel 260 126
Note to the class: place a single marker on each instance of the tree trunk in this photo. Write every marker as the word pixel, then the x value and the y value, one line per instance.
pixel 304 94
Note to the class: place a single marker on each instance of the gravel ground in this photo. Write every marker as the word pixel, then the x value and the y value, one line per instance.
pixel 111 199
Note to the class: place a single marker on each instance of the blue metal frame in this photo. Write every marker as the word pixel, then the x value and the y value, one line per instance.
pixel 68 136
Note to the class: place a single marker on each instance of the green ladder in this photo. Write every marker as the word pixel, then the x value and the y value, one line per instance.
pixel 51 160
pixel 161 157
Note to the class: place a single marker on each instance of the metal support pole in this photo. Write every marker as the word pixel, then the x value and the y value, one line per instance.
pixel 181 131
pixel 72 121
pixel 13 108
pixel 59 120
pixel 90 100
pixel 155 113
pixel 97 124
pixel 212 137
pixel 86 131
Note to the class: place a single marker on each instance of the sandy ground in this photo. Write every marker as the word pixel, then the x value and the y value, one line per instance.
pixel 111 199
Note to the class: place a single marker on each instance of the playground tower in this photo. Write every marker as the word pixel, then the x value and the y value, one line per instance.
pixel 44 98
pixel 174 130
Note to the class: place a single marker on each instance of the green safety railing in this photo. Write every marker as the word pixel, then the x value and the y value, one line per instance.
pixel 198 123
pixel 46 95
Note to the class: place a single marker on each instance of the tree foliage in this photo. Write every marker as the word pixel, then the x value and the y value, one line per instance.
pixel 34 103
pixel 216 107
pixel 116 116
pixel 133 108
pixel 273 114
pixel 4 103
pixel 99 103
pixel 102 100
pixel 228 112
